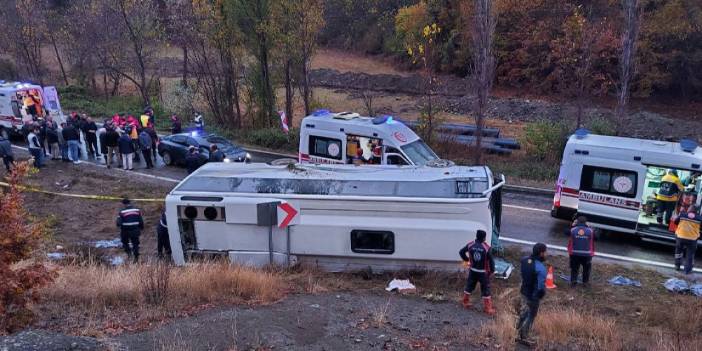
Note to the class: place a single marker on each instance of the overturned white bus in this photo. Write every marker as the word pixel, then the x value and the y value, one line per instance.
pixel 335 217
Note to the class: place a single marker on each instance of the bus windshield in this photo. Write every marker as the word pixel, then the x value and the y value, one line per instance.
pixel 419 152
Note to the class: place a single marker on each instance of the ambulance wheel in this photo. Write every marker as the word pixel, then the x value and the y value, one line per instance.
pixel 167 159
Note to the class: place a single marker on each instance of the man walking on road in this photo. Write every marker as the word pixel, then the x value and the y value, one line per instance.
pixel 686 235
pixel 130 222
pixel 146 143
pixel 481 268
pixel 533 289
pixel 581 248
pixel 6 153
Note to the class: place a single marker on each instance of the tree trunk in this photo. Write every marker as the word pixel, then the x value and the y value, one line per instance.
pixel 58 58
pixel 306 91
pixel 104 86
pixel 289 91
pixel 632 17
pixel 185 65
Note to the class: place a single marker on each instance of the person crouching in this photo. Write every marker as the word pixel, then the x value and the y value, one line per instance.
pixel 482 267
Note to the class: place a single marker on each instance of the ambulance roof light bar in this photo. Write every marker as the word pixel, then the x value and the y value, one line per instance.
pixel 688 145
pixel 581 133
pixel 320 113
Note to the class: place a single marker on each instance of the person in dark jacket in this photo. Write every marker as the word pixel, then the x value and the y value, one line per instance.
pixel 90 131
pixel 154 140
pixel 112 145
pixel 162 240
pixel 52 138
pixel 192 160
pixel 482 266
pixel 216 155
pixel 8 158
pixel 145 144
pixel 581 248
pixel 533 289
pixel 130 222
pixel 72 137
pixel 35 147
pixel 126 149
pixel 63 144
pixel 176 127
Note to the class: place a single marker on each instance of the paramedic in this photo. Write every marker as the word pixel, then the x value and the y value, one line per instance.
pixel 164 245
pixel 6 153
pixel 667 196
pixel 686 235
pixel 581 248
pixel 481 267
pixel 533 290
pixel 130 223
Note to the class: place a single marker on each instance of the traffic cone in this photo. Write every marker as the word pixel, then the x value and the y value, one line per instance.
pixel 549 278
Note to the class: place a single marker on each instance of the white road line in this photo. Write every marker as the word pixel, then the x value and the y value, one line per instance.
pixel 118 169
pixel 598 254
pixel 526 208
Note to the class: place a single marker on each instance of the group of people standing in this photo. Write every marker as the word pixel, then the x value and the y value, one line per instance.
pixel 477 254
pixel 126 138
pixel 47 139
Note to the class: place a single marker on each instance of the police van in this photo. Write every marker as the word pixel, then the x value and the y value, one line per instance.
pixel 23 103
pixel 613 181
pixel 348 138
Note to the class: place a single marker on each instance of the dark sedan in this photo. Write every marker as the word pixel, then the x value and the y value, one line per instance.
pixel 174 148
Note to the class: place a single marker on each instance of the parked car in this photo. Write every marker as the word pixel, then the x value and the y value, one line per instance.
pixel 174 148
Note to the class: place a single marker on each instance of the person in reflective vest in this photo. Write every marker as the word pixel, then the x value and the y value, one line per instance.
pixel 668 195
pixel 686 235
pixel 581 248
pixel 482 266
pixel 163 243
pixel 130 223
pixel 533 289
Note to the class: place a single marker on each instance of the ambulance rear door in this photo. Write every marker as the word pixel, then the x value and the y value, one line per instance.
pixel 610 193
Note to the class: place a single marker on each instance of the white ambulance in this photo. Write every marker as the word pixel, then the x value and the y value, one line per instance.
pixel 613 181
pixel 22 103
pixel 348 138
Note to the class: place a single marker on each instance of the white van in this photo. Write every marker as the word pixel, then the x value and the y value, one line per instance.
pixel 613 181
pixel 337 217
pixel 348 138
pixel 22 103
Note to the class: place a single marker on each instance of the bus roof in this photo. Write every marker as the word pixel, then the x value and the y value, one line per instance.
pixel 337 180
pixel 651 152
pixel 389 128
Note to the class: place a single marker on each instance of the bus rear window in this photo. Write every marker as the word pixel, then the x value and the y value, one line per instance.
pixel 609 181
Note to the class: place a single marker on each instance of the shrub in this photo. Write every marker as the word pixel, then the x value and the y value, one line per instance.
pixel 545 140
pixel 20 274
pixel 273 138
pixel 8 70
pixel 601 126
pixel 79 99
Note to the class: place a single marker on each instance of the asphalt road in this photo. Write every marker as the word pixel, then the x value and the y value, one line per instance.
pixel 525 216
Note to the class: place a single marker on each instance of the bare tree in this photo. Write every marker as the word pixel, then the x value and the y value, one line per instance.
pixel 483 66
pixel 23 32
pixel 130 47
pixel 368 98
pixel 627 65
